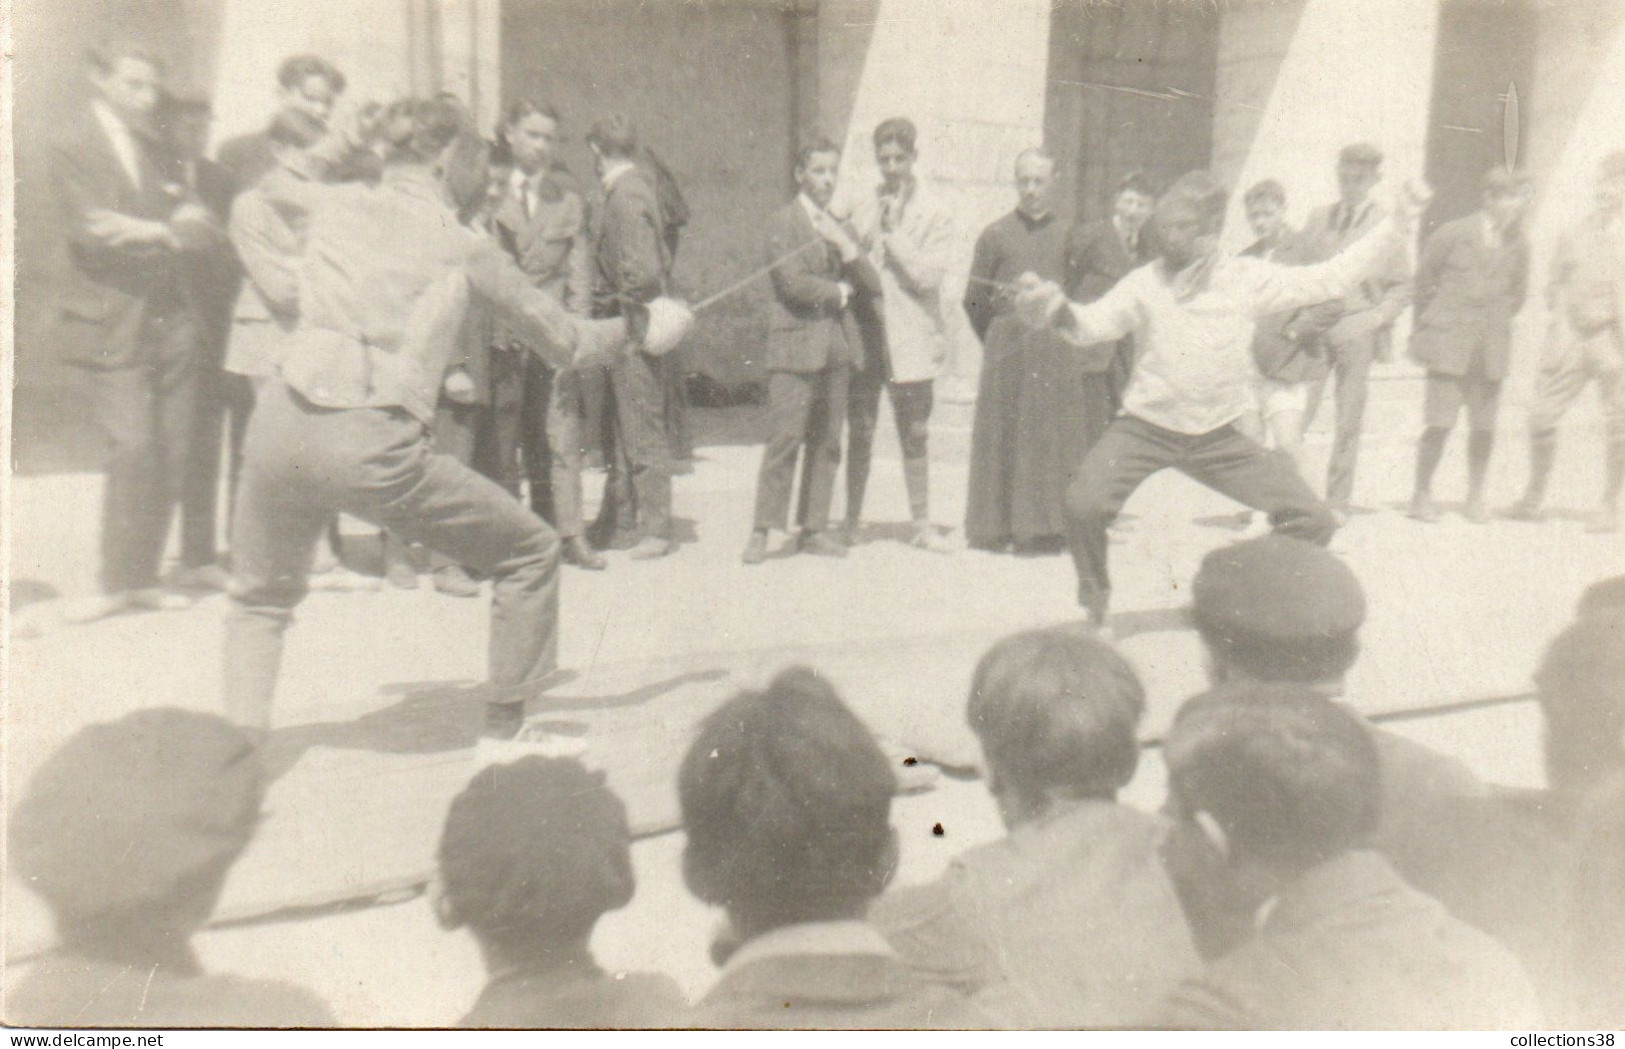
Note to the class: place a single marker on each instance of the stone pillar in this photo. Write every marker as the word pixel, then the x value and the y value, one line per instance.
pixel 972 77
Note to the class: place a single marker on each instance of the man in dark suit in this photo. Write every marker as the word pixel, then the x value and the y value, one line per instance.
pixel 1470 283
pixel 813 343
pixel 125 313
pixel 213 279
pixel 1284 784
pixel 632 267
pixel 308 84
pixel 787 802
pixel 1098 254
pixel 1364 332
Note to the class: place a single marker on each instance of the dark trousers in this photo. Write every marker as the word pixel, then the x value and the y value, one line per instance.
pixel 1131 450
pixel 303 464
pixel 145 413
pixel 911 404
pixel 1351 367
pixel 638 493
pixel 805 412
pixel 550 425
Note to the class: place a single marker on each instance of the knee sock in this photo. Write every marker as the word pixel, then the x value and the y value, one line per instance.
pixel 1542 456
pixel 917 479
pixel 1480 444
pixel 1429 450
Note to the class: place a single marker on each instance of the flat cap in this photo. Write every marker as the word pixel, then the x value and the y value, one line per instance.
pixel 1360 153
pixel 1277 587
pixel 126 811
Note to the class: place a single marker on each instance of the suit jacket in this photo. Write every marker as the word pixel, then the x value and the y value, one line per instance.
pixel 110 291
pixel 837 991
pixel 807 328
pixel 630 263
pixel 550 245
pixel 1467 293
pixel 1381 297
pixel 910 341
pixel 1070 921
pixel 1350 946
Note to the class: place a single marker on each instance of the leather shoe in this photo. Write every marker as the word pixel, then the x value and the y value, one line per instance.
pixel 1423 508
pixel 1525 509
pixel 577 552
pixel 453 581
pixel 651 547
pixel 821 545
pixel 755 550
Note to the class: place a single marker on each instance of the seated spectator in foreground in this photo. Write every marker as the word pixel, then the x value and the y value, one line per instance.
pixel 533 853
pixel 127 832
pixel 1283 783
pixel 1071 920
pixel 1606 597
pixel 786 799
pixel 1278 609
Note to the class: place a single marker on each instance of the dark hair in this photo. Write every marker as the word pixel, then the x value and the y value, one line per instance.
pixel 103 55
pixel 524 107
pixel 1501 181
pixel 786 800
pixel 1269 657
pixel 1267 189
pixel 816 144
pixel 1200 192
pixel 900 130
pixel 297 69
pixel 1581 684
pixel 535 850
pixel 1136 182
pixel 615 136
pixel 1057 709
pixel 1290 776
pixel 295 129
pixel 417 130
pixel 1360 153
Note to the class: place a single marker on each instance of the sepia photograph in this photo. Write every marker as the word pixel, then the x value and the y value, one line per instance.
pixel 885 515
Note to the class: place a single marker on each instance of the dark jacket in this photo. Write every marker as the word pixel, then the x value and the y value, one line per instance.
pixel 110 291
pixel 1287 346
pixel 807 327
pixel 1467 293
pixel 630 264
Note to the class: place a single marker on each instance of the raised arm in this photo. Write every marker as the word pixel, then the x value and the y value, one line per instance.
pixel 548 330
pixel 267 250
pixel 1276 287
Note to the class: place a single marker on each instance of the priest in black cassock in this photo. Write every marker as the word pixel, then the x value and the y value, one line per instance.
pixel 1021 451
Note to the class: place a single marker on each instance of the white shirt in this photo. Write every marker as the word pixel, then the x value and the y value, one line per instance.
pixel 1194 367
pixel 121 139
pixel 820 938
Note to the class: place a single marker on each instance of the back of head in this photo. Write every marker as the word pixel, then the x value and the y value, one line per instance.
pixel 1278 609
pixel 1290 776
pixel 535 851
pixel 1581 684
pixel 1056 712
pixel 614 136
pixel 1198 193
pixel 786 800
pixel 129 816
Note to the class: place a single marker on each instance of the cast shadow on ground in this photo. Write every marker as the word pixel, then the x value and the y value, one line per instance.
pixel 440 717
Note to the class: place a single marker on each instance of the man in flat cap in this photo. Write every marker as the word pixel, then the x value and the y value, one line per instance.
pixel 127 832
pixel 1364 332
pixel 1585 342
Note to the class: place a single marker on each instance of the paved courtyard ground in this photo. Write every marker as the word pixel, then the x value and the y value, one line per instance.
pixel 373 714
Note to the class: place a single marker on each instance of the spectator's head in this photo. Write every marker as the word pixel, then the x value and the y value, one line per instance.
pixel 1506 196
pixel 532 131
pixel 1035 182
pixel 1278 778
pixel 1359 169
pixel 1134 200
pixel 786 800
pixel 185 122
pixel 291 134
pixel 1611 183
pixel 1277 609
pixel 310 84
pixel 128 76
pixel 613 138
pixel 1266 209
pixel 128 830
pixel 533 853
pixel 895 152
pixel 1581 684
pixel 1189 215
pixel 1056 712
pixel 501 169
pixel 1606 597
pixel 817 163
pixel 434 133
